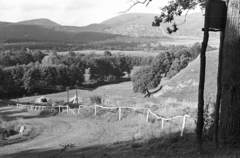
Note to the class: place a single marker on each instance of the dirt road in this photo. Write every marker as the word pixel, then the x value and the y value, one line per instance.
pixel 52 132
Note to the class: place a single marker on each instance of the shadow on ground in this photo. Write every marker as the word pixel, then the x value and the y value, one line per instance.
pixel 168 147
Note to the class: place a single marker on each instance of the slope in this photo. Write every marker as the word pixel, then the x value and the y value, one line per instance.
pixel 140 24
pixel 23 33
pixel 184 86
pixel 40 22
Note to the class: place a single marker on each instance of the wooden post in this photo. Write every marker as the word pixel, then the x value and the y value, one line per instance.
pixel 67 108
pixel 219 83
pixel 200 121
pixel 59 109
pixel 183 125
pixel 77 93
pixel 67 89
pixel 147 115
pixel 119 113
pixel 162 122
pixel 95 113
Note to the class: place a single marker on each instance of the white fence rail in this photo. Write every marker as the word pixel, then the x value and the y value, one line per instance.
pixel 95 106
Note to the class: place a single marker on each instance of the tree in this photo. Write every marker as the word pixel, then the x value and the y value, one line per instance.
pixel 38 56
pixel 144 79
pixel 107 53
pixel 230 107
pixel 230 85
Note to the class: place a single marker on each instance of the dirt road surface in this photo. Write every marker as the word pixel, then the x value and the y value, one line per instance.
pixel 47 136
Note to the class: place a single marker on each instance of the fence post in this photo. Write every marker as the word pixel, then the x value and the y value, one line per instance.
pixel 67 108
pixel 183 125
pixel 95 113
pixel 79 109
pixel 147 115
pixel 162 122
pixel 59 109
pixel 119 114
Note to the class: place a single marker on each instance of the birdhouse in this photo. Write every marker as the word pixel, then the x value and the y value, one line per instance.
pixel 218 10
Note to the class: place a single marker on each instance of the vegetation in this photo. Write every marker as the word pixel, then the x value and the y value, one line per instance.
pixel 8 127
pixel 229 61
pixel 166 64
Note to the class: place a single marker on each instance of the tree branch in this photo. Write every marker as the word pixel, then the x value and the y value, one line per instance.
pixel 136 3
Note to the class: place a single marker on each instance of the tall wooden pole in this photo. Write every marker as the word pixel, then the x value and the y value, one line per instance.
pixel 219 93
pixel 219 84
pixel 200 119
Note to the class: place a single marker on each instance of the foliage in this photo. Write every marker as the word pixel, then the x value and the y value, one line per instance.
pixel 208 120
pixel 145 78
pixel 176 8
pixel 8 127
pixel 96 99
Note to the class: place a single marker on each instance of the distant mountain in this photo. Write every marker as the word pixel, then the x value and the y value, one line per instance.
pixel 40 22
pixel 140 24
pixel 22 33
pixel 135 25
pixel 89 28
pixel 130 24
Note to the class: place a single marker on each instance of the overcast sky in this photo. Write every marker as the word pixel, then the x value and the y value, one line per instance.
pixel 71 12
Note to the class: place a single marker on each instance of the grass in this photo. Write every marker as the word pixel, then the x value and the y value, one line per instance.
pixel 184 86
pixel 9 126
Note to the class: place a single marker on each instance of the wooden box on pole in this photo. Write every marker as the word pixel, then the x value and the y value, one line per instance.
pixel 217 14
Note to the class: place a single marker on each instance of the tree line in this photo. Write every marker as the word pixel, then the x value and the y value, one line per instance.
pixel 28 72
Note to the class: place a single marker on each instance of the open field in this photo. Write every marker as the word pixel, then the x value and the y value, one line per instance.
pixel 132 53
pixel 187 41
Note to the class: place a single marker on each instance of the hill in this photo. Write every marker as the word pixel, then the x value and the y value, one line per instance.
pixel 22 33
pixel 184 86
pixel 89 28
pixel 40 22
pixel 140 24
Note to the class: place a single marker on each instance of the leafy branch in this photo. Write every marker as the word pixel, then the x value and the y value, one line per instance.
pixel 172 9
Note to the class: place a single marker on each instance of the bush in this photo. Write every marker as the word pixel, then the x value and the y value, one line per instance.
pixel 96 99
pixel 8 127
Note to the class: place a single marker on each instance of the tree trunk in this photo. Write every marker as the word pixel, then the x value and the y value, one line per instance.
pixel 230 109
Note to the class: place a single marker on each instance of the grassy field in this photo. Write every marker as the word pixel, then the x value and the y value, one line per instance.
pixel 132 53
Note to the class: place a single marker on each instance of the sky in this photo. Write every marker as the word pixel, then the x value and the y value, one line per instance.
pixel 72 12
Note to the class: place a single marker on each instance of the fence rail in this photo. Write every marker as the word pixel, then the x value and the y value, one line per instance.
pixel 95 106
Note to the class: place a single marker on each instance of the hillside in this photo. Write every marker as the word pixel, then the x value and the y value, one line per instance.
pixel 134 25
pixel 184 86
pixel 89 28
pixel 130 24
pixel 11 32
pixel 140 24
pixel 40 22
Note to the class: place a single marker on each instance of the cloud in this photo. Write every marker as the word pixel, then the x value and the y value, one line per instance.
pixel 6 5
pixel 75 5
pixel 36 7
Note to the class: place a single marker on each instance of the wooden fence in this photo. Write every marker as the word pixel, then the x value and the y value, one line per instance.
pixel 95 106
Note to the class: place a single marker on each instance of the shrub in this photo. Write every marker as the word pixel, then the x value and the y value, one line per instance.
pixel 9 127
pixel 95 99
